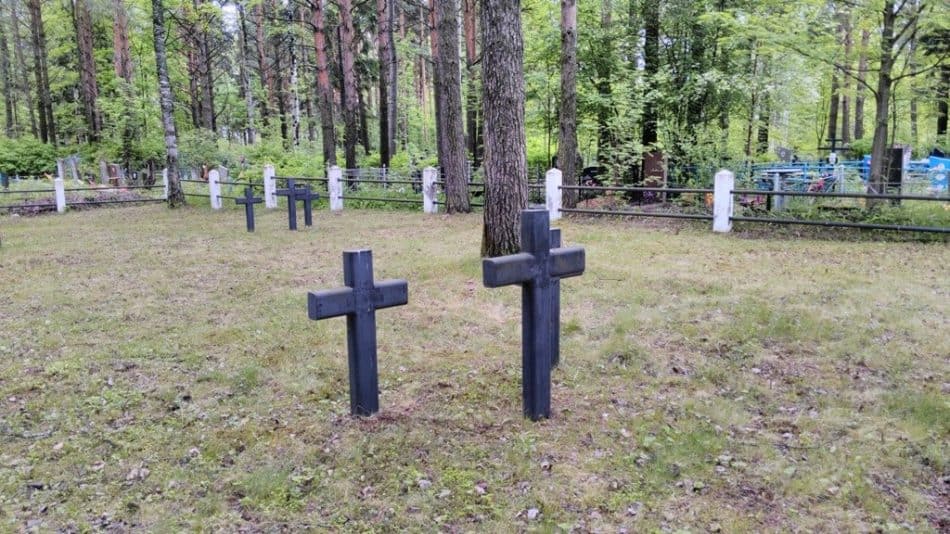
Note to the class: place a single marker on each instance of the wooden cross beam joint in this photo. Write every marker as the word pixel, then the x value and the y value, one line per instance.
pixel 358 301
pixel 248 201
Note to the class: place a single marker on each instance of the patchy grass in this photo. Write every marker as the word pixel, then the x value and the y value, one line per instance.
pixel 158 372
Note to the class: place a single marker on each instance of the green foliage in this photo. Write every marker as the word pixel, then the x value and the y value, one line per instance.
pixel 859 148
pixel 26 156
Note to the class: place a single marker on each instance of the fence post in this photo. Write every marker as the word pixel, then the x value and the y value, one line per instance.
pixel 778 201
pixel 60 169
pixel 553 195
pixel 165 181
pixel 270 187
pixel 335 188
pixel 214 189
pixel 429 190
pixel 723 201
pixel 60 195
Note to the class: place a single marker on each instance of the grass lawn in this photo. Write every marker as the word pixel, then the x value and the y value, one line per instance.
pixel 158 372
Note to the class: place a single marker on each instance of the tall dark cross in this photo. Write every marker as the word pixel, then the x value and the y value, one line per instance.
pixel 293 194
pixel 359 301
pixel 556 307
pixel 536 269
pixel 249 200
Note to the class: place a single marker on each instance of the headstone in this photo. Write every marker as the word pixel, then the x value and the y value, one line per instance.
pixel 248 201
pixel 654 168
pixel 335 188
pixel 536 269
pixel 358 301
pixel 784 154
pixel 430 190
pixel 723 208
pixel 553 194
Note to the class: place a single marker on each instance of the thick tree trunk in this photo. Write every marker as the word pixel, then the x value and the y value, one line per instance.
pixel 651 66
pixel 176 196
pixel 205 71
pixel 247 92
pixel 879 160
pixel 47 123
pixel 265 72
pixel 834 108
pixel 472 112
pixel 122 62
pixel 88 87
pixel 6 80
pixel 604 92
pixel 846 97
pixel 567 116
pixel 294 80
pixel 452 155
pixel 765 120
pixel 388 81
pixel 860 90
pixel 324 88
pixel 364 123
pixel 506 186
pixel 22 75
pixel 351 97
pixel 436 76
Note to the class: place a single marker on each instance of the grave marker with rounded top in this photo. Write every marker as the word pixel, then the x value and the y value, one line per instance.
pixel 536 269
pixel 249 200
pixel 359 301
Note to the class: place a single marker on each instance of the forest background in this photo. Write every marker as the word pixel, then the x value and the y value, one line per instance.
pixel 307 83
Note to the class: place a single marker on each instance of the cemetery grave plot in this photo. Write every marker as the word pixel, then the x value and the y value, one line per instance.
pixel 158 371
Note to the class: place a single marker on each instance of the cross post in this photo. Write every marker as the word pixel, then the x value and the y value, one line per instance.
pixel 536 269
pixel 249 200
pixel 290 192
pixel 308 196
pixel 358 301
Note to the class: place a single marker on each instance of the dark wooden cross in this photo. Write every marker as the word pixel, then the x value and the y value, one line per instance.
pixel 293 194
pixel 359 301
pixel 556 307
pixel 249 200
pixel 536 269
pixel 307 195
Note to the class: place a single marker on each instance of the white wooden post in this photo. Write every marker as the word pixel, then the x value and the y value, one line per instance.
pixel 60 195
pixel 73 168
pixel 335 188
pixel 61 169
pixel 778 201
pixel 214 189
pixel 723 201
pixel 165 181
pixel 270 187
pixel 430 190
pixel 553 195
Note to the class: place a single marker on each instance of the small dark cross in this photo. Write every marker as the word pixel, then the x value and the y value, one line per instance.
pixel 536 269
pixel 249 200
pixel 308 196
pixel 292 192
pixel 359 301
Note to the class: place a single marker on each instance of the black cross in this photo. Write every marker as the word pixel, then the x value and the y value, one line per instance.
pixel 294 194
pixel 556 307
pixel 308 196
pixel 359 301
pixel 249 200
pixel 536 269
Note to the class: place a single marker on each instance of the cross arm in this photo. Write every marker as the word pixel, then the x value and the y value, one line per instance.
pixel 508 270
pixel 567 262
pixel 330 303
pixel 391 293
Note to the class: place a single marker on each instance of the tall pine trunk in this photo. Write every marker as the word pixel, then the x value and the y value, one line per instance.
pixel 351 97
pixel 846 97
pixel 88 87
pixel 879 160
pixel 388 81
pixel 436 76
pixel 860 90
pixel 22 80
pixel 324 88
pixel 943 101
pixel 176 196
pixel 122 62
pixel 567 116
pixel 453 160
pixel 506 180
pixel 472 112
pixel 47 123
pixel 245 73
pixel 6 80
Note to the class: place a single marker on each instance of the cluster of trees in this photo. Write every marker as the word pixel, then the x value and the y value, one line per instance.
pixel 500 82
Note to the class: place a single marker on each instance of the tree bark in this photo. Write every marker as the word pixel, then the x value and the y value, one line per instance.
pixel 122 62
pixel 247 92
pixel 506 187
pixel 567 116
pixel 833 108
pixel 604 90
pixel 452 149
pixel 436 76
pixel 324 88
pixel 388 81
pixel 943 101
pixel 205 69
pixel 6 80
pixel 22 75
pixel 879 160
pixel 263 65
pixel 860 90
pixel 176 196
pixel 473 117
pixel 88 87
pixel 351 98
pixel 845 97
pixel 47 123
